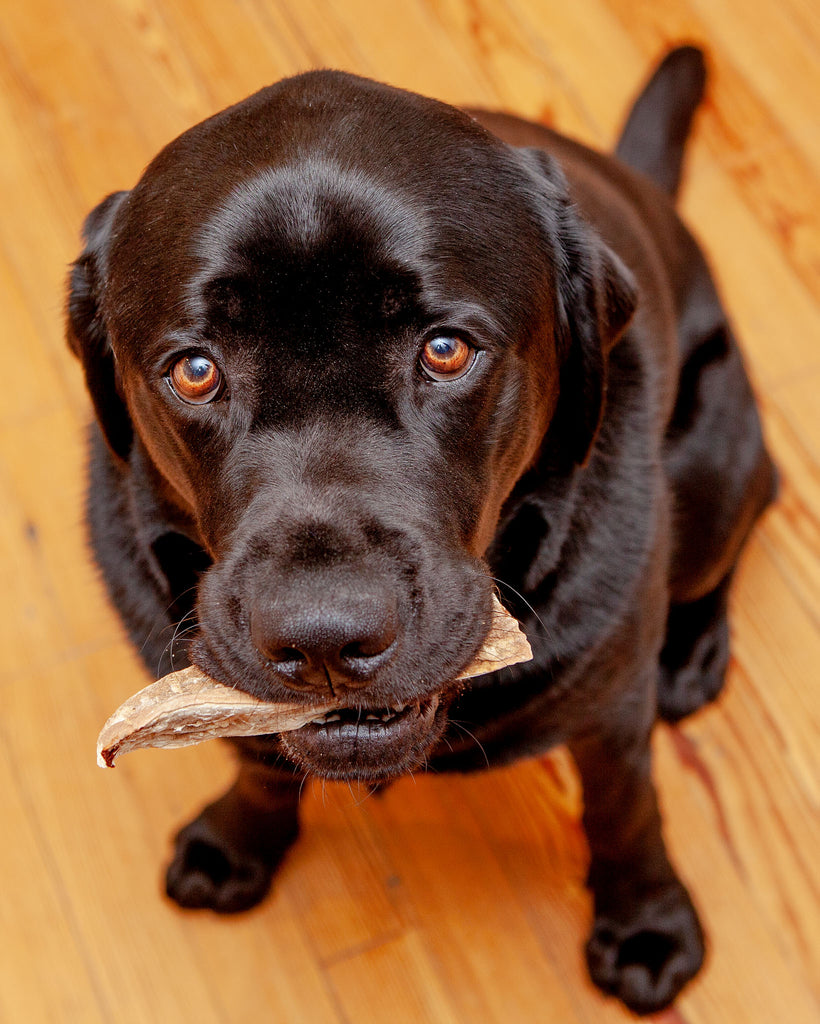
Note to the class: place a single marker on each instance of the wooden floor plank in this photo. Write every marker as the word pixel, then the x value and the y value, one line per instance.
pixel 792 529
pixel 451 885
pixel 35 631
pixel 561 32
pixel 49 497
pixel 128 939
pixel 777 183
pixel 783 51
pixel 394 981
pixel 118 828
pixel 774 313
pixel 749 974
pixel 346 903
pixel 47 975
pixel 779 652
pixel 530 815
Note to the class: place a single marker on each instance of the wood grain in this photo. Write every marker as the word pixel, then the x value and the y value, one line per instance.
pixel 444 899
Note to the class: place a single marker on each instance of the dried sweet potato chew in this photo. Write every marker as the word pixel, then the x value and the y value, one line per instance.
pixel 189 707
pixel 505 644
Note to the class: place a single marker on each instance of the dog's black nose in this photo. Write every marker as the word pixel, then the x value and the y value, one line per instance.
pixel 327 637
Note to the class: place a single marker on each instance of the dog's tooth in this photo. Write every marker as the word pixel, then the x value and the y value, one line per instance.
pixel 332 716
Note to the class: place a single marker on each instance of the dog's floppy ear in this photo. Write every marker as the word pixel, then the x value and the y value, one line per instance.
pixel 595 298
pixel 86 331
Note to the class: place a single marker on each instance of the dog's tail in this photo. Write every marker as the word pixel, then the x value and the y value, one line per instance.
pixel 655 133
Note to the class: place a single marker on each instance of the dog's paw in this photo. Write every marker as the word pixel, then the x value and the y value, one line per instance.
pixel 684 686
pixel 646 961
pixel 225 873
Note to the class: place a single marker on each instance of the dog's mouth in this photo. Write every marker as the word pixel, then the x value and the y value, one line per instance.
pixel 349 722
pixel 387 725
pixel 367 742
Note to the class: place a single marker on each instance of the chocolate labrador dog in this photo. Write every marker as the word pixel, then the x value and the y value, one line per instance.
pixel 357 359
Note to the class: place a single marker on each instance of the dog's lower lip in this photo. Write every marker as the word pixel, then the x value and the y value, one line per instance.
pixel 367 741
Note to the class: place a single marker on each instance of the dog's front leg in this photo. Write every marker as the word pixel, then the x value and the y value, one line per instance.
pixel 646 940
pixel 225 858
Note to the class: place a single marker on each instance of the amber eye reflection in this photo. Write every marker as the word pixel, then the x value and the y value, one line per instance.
pixel 447 358
pixel 195 379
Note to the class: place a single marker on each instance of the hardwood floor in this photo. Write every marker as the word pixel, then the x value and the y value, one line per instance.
pixel 447 899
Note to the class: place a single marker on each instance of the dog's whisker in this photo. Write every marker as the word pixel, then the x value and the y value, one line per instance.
pixel 474 738
pixel 171 625
pixel 184 636
pixel 186 632
pixel 368 794
pixel 182 633
pixel 174 626
pixel 300 791
pixel 169 647
pixel 521 597
pixel 178 629
pixel 358 800
pixel 178 597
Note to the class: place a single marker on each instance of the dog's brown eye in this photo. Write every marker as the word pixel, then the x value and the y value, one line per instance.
pixel 446 358
pixel 196 379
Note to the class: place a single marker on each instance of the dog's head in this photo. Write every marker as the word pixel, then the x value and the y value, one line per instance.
pixel 333 326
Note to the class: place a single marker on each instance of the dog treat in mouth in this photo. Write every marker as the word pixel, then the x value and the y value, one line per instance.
pixel 188 707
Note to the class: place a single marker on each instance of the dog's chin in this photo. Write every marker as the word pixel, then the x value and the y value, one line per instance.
pixel 367 743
